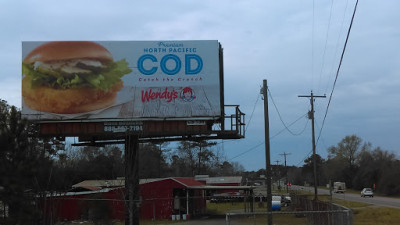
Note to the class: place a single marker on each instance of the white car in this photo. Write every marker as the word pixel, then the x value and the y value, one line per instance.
pixel 367 192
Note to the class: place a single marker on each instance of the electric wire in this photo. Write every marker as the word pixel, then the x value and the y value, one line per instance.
pixel 263 142
pixel 326 44
pixel 280 117
pixel 338 70
pixel 312 42
pixel 302 161
pixel 338 41
pixel 252 113
pixel 309 154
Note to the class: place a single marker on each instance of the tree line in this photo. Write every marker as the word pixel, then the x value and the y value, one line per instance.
pixel 352 161
pixel 183 159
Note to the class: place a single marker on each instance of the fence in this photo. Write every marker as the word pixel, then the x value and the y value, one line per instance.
pixel 302 211
pixel 109 206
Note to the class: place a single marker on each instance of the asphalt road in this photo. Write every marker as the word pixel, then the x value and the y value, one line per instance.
pixel 376 200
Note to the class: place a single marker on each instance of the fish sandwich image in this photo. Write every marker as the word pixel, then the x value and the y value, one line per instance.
pixel 69 77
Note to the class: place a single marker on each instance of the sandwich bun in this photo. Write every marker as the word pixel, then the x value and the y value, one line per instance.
pixel 68 101
pixel 65 50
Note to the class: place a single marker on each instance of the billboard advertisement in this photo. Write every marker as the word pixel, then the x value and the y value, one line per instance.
pixel 78 80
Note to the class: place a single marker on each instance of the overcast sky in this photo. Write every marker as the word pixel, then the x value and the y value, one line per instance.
pixel 295 45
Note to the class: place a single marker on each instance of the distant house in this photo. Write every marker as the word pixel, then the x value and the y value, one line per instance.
pixel 222 186
pixel 224 181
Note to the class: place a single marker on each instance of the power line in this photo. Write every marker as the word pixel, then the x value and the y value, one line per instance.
pixel 280 117
pixel 305 158
pixel 252 148
pixel 338 69
pixel 326 44
pixel 251 116
pixel 338 41
pixel 249 150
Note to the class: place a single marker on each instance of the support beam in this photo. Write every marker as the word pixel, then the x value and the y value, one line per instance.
pixel 131 180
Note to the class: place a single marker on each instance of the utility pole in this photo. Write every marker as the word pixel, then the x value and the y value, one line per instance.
pixel 287 182
pixel 277 175
pixel 264 92
pixel 311 116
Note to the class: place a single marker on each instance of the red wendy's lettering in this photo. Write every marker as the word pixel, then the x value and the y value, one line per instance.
pixel 153 95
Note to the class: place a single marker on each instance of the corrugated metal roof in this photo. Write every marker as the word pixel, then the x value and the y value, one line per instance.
pixel 186 181
pixel 149 180
pixel 100 183
pixel 224 180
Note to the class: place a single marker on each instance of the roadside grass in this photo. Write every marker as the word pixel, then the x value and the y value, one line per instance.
pixel 376 216
pixel 224 207
pixel 364 214
pixel 281 219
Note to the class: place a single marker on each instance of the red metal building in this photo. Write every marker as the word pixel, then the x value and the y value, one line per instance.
pixel 159 199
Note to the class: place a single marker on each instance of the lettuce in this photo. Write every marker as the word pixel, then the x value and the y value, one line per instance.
pixel 103 79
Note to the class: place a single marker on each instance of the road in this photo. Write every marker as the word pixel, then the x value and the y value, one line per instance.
pixel 376 200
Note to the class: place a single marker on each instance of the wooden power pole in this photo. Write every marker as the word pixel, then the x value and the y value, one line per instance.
pixel 287 182
pixel 264 92
pixel 311 116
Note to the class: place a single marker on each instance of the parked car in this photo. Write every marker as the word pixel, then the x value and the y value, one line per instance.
pixel 286 200
pixel 367 192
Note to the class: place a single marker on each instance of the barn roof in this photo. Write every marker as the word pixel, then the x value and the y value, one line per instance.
pixel 185 181
pixel 221 180
pixel 188 182
pixel 98 184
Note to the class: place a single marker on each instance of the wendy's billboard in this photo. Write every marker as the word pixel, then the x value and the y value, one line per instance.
pixel 76 80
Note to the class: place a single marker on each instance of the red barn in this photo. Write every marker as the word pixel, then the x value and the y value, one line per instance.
pixel 160 199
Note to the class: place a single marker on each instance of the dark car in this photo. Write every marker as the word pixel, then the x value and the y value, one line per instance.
pixel 286 200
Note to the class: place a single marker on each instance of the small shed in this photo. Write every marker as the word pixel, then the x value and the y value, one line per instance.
pixel 165 197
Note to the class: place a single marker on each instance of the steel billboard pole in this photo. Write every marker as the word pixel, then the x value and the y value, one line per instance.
pixel 131 179
pixel 267 151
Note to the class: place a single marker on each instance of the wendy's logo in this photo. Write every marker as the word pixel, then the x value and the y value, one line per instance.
pixel 187 94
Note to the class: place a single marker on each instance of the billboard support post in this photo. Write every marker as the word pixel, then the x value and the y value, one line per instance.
pixel 131 179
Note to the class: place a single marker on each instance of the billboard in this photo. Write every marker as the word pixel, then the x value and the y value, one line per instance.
pixel 79 80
